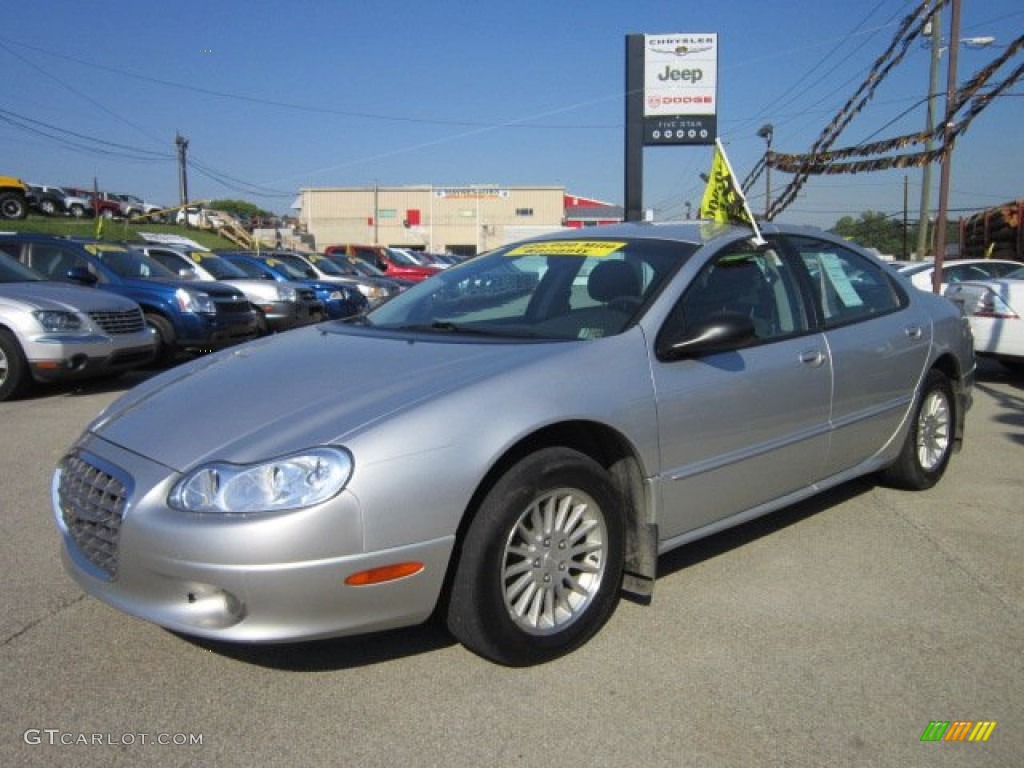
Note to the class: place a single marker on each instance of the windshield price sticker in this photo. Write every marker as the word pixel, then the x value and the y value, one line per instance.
pixel 595 248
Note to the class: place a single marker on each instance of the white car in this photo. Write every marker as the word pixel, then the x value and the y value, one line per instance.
pixel 956 271
pixel 995 309
pixel 52 331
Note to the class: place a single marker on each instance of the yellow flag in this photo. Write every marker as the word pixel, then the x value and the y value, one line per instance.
pixel 723 202
pixel 99 226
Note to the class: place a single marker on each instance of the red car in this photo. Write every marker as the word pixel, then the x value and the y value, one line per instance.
pixel 392 262
pixel 104 204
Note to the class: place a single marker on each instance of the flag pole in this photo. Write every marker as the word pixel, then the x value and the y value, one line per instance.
pixel 758 239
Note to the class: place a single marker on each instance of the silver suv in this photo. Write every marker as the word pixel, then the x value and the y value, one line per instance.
pixel 52 331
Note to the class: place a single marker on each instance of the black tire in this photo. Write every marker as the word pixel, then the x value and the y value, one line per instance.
pixel 13 206
pixel 13 367
pixel 77 211
pixel 929 442
pixel 167 344
pixel 107 214
pixel 48 207
pixel 551 522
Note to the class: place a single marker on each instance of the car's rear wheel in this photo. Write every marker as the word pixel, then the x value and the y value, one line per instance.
pixel 78 211
pixel 13 366
pixel 48 207
pixel 541 562
pixel 929 442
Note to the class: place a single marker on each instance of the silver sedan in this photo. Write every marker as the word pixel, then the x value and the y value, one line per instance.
pixel 512 443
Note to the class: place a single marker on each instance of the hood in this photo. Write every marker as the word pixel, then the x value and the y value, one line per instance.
pixel 45 294
pixel 311 386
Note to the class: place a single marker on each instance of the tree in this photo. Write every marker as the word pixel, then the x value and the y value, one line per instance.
pixel 885 232
pixel 240 208
pixel 874 230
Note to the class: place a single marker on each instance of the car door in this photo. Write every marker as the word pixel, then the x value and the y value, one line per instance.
pixel 743 427
pixel 879 343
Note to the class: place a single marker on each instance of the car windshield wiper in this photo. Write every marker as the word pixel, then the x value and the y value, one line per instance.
pixel 445 326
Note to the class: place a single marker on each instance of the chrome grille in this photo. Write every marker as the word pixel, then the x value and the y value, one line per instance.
pixel 92 504
pixel 117 322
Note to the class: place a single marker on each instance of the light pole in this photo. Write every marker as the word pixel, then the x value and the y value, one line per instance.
pixel 766 132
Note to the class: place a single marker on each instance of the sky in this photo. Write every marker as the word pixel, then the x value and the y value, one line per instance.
pixel 278 96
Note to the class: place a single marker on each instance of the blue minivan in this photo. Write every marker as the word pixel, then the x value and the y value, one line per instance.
pixel 187 316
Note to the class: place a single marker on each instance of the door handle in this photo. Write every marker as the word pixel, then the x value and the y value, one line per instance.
pixel 913 331
pixel 812 357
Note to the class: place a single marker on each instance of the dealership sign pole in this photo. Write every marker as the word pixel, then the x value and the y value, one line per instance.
pixel 671 98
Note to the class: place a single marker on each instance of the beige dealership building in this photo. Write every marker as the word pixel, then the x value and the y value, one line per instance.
pixel 463 220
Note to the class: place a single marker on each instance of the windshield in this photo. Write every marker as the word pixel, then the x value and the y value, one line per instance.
pixel 345 265
pixel 292 269
pixel 558 289
pixel 13 271
pixel 325 265
pixel 249 269
pixel 403 258
pixel 219 268
pixel 129 264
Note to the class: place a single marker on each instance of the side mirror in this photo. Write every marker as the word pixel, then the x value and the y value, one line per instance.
pixel 721 332
pixel 81 275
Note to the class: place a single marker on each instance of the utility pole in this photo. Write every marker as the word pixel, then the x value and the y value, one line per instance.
pixel 947 148
pixel 929 126
pixel 182 144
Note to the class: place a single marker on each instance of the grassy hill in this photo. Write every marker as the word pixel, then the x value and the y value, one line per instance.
pixel 114 231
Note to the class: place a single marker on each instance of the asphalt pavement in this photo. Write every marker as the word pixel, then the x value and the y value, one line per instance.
pixel 832 633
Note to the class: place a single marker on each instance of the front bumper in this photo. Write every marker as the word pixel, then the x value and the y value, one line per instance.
pixel 67 357
pixel 285 315
pixel 206 333
pixel 247 578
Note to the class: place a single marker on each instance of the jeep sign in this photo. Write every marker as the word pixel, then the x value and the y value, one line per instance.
pixel 680 88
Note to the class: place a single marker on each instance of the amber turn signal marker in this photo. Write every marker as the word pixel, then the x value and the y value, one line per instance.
pixel 384 573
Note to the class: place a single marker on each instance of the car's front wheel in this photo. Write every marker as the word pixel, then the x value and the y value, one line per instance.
pixel 540 565
pixel 929 442
pixel 167 343
pixel 12 206
pixel 13 367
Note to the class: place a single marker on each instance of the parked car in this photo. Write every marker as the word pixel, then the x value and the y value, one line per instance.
pixel 340 301
pixel 52 332
pixel 511 465
pixel 995 309
pixel 374 284
pixel 956 271
pixel 187 316
pixel 314 266
pixel 13 198
pixel 281 305
pixel 133 207
pixel 391 262
pixel 100 204
pixel 49 201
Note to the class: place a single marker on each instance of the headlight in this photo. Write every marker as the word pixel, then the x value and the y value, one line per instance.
pixel 55 321
pixel 372 291
pixel 290 482
pixel 195 301
pixel 287 293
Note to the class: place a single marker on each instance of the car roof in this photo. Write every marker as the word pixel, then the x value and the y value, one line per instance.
pixel 696 232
